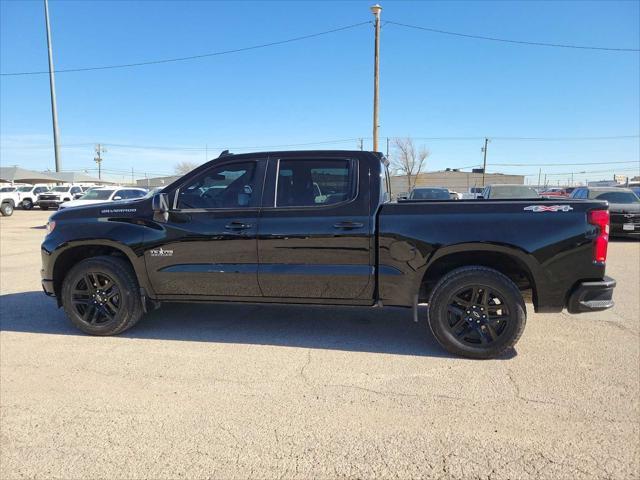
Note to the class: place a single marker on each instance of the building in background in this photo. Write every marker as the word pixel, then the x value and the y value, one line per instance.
pixel 156 181
pixel 453 180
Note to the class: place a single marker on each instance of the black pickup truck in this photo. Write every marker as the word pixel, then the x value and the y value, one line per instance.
pixel 318 227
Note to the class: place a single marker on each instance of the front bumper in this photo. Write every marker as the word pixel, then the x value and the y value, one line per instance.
pixel 592 296
pixel 49 203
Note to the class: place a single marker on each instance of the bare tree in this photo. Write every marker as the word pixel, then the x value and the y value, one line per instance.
pixel 184 167
pixel 408 160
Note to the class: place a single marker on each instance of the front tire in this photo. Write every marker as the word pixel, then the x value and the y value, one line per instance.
pixel 476 312
pixel 27 204
pixel 42 207
pixel 6 209
pixel 100 296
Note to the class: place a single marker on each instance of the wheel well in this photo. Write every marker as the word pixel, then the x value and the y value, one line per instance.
pixel 9 201
pixel 74 255
pixel 506 264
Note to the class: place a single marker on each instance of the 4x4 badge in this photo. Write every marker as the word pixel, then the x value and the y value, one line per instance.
pixel 549 208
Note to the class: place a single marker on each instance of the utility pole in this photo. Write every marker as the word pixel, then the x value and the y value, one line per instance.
pixel 98 158
pixel 206 152
pixel 132 180
pixel 361 144
pixel 539 174
pixel 376 9
pixel 387 148
pixel 484 163
pixel 52 88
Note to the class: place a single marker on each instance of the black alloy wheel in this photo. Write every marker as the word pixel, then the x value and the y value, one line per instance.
pixel 476 312
pixel 101 295
pixel 96 298
pixel 477 315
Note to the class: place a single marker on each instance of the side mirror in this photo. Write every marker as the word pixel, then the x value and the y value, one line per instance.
pixel 160 206
pixel 116 198
pixel 160 203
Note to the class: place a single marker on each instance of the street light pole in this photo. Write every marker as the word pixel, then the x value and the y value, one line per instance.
pixel 52 87
pixel 376 9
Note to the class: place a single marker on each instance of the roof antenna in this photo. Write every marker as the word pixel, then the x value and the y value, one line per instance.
pixel 225 153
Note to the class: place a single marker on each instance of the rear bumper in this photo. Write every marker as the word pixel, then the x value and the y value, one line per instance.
pixel 617 229
pixel 592 296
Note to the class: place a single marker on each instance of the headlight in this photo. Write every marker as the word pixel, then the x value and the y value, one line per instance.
pixel 51 224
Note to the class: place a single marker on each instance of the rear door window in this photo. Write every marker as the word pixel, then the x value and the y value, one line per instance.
pixel 309 183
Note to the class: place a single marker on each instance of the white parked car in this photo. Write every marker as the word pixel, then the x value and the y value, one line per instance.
pixel 29 195
pixel 106 194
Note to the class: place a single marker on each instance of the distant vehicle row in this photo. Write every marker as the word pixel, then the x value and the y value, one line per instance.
pixel 63 196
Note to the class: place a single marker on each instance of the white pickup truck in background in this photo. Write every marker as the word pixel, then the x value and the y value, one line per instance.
pixel 9 199
pixel 28 195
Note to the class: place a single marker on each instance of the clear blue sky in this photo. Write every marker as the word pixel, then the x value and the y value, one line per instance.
pixel 320 89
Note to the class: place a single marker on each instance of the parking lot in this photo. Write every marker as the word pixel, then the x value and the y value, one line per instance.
pixel 239 391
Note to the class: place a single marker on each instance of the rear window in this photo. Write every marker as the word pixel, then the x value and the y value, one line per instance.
pixel 614 197
pixel 512 192
pixel 429 194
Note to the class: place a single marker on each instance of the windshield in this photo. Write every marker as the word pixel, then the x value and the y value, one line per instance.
pixel 614 197
pixel 25 189
pixel 8 189
pixel 429 194
pixel 97 195
pixel 513 192
pixel 59 189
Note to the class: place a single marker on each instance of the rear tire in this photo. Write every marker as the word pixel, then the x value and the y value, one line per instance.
pixel 100 296
pixel 6 209
pixel 476 312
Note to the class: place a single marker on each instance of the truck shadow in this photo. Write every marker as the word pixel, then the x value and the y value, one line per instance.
pixel 376 330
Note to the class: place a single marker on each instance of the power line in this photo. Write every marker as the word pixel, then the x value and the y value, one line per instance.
pixel 582 172
pixel 193 57
pixel 562 139
pixel 321 142
pixel 194 149
pixel 506 40
pixel 558 164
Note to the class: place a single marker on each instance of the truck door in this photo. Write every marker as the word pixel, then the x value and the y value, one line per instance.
pixel 208 246
pixel 314 237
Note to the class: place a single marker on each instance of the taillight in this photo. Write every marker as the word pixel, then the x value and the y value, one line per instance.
pixel 600 218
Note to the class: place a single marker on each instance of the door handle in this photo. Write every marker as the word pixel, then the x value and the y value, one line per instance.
pixel 237 226
pixel 348 225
